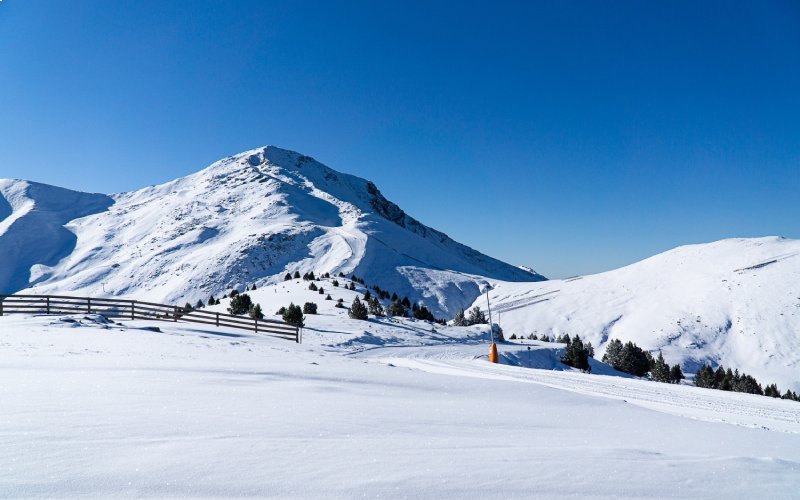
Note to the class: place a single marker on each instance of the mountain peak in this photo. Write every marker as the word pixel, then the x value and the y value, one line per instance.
pixel 250 218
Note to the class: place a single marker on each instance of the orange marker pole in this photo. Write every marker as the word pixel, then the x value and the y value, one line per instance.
pixel 493 356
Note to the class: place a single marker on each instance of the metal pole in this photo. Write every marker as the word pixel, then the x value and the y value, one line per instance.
pixel 488 308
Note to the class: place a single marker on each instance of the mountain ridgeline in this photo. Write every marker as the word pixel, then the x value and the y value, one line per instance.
pixel 246 219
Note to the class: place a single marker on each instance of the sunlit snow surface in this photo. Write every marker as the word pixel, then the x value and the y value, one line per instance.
pixel 734 302
pixel 384 408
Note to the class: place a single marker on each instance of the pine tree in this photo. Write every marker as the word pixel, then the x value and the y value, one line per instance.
pixel 253 287
pixel 358 310
pixel 240 304
pixel 321 291
pixel 423 313
pixel 476 316
pixel 367 296
pixel 459 319
pixel 212 301
pixel 375 307
pixel 576 354
pixel 676 374
pixel 187 307
pixel 329 297
pixel 255 312
pixel 661 370
pixel 406 303
pixel 396 309
pixel 297 275
pixel 199 304
pixel 293 315
pixel 288 277
pixel 310 308
pixel 312 287
pixel 394 297
pixel 335 283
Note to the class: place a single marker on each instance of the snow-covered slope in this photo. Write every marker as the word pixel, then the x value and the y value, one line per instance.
pixel 734 302
pixel 32 232
pixel 383 408
pixel 246 219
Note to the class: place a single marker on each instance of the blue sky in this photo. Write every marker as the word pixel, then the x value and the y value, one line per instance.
pixel 573 137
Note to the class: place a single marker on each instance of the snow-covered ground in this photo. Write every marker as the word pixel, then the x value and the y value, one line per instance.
pixel 734 302
pixel 384 408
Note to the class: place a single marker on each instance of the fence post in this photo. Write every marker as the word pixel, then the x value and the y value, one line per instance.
pixel 217 320
pixel 298 333
pixel 48 304
pixel 133 309
pixel 2 299
pixel 175 313
pixel 256 320
pixel 89 305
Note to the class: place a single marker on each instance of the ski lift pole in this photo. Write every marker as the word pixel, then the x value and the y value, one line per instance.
pixel 493 357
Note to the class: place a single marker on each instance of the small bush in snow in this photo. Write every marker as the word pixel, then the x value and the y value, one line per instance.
pixel 309 308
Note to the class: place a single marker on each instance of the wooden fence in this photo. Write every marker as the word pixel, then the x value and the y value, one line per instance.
pixel 135 309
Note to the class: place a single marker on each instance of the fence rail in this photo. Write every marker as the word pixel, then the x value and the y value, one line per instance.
pixel 134 309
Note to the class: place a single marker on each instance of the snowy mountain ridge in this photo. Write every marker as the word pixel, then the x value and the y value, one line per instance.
pixel 246 219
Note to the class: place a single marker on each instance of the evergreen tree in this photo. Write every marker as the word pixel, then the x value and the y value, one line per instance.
pixel 234 293
pixel 423 313
pixel 476 316
pixel 255 312
pixel 459 319
pixel 352 286
pixel 406 303
pixel 212 301
pixel 310 308
pixel 394 297
pixel 533 337
pixel 375 307
pixel 358 310
pixel 297 275
pixel 545 338
pixel 576 354
pixel 253 288
pixel 240 304
pixel 288 277
pixel 321 291
pixel 335 283
pixel 187 307
pixel 367 296
pixel 661 370
pixel 312 287
pixel 293 315
pixel 676 374
pixel 199 304
pixel 281 311
pixel 396 309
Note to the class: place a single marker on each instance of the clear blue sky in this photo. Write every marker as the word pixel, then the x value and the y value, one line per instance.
pixel 573 137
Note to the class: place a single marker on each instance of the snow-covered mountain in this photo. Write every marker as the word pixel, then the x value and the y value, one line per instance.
pixel 246 219
pixel 735 302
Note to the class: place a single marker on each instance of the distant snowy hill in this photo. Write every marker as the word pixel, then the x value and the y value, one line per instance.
pixel 246 219
pixel 735 302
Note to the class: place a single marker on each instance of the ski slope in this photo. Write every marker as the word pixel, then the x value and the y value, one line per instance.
pixel 734 302
pixel 385 408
